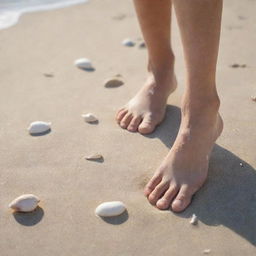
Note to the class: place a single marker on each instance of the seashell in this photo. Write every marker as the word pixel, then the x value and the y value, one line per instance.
pixel 94 157
pixel 142 45
pixel 253 98
pixel 128 42
pixel 90 118
pixel 193 220
pixel 207 251
pixel 38 127
pixel 110 209
pixel 25 203
pixel 84 63
pixel 113 82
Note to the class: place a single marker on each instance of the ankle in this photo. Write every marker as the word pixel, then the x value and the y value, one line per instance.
pixel 162 68
pixel 199 106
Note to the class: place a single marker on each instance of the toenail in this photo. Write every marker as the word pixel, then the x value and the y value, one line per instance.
pixel 161 202
pixel 179 203
pixel 152 197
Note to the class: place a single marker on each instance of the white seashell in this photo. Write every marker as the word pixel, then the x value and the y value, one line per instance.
pixel 89 118
pixel 25 203
pixel 39 127
pixel 109 209
pixel 94 157
pixel 207 251
pixel 193 220
pixel 113 82
pixel 253 98
pixel 84 63
pixel 128 42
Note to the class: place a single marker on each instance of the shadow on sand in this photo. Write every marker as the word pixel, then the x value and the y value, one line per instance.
pixel 40 134
pixel 117 220
pixel 228 197
pixel 29 218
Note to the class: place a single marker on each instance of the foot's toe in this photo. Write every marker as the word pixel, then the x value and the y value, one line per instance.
pixel 147 125
pixel 133 126
pixel 183 198
pixel 126 120
pixel 165 201
pixel 155 180
pixel 158 192
pixel 120 114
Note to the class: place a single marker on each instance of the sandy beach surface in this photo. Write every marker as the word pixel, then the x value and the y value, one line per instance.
pixel 53 166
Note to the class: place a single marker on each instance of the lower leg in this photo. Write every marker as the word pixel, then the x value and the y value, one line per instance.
pixel 147 108
pixel 155 21
pixel 200 32
pixel 184 170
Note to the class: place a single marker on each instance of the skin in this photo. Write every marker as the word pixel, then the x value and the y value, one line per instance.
pixel 184 170
pixel 147 108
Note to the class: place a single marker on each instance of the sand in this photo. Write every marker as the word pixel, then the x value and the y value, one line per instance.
pixel 70 188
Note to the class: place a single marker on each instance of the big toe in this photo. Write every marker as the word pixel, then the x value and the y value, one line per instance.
pixel 183 199
pixel 147 126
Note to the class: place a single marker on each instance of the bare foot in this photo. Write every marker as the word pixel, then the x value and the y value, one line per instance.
pixel 147 109
pixel 185 168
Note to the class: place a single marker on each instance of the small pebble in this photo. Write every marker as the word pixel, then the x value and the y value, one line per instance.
pixel 48 74
pixel 84 63
pixel 128 42
pixel 235 65
pixel 110 209
pixel 193 220
pixel 119 17
pixel 113 82
pixel 39 127
pixel 207 251
pixel 25 203
pixel 142 45
pixel 241 17
pixel 90 118
pixel 94 157
pixel 253 98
